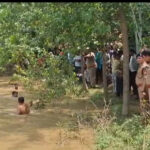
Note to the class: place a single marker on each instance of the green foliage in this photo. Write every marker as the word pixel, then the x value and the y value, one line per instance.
pixel 96 97
pixel 45 25
pixel 130 134
pixel 52 79
pixel 35 28
pixel 146 41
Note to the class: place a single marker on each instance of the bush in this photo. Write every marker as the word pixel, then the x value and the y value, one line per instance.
pixel 130 134
pixel 51 79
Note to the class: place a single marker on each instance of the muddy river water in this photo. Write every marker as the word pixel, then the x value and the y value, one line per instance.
pixel 39 130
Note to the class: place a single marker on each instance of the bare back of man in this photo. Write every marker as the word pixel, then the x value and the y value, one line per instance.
pixel 23 109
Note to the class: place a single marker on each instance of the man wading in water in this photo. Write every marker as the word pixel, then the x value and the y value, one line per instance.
pixel 23 108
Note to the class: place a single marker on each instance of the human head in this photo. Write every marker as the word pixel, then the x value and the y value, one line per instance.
pixel 21 100
pixel 98 49
pixel 146 55
pixel 132 52
pixel 114 54
pixel 120 52
pixel 139 59
pixel 111 47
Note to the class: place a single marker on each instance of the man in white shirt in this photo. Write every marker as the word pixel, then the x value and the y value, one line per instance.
pixel 77 63
pixel 133 67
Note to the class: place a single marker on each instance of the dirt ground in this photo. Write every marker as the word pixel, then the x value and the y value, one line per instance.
pixel 43 129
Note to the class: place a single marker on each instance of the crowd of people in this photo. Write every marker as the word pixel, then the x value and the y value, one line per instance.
pixel 114 64
pixel 139 73
pixel 93 68
pixel 90 64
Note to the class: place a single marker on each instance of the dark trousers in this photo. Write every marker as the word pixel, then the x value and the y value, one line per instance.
pixel 77 69
pixel 119 85
pixel 132 82
pixel 98 76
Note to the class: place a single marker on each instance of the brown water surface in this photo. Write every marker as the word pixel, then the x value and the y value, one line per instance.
pixel 40 130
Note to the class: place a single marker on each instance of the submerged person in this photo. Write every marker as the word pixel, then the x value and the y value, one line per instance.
pixel 15 92
pixel 23 108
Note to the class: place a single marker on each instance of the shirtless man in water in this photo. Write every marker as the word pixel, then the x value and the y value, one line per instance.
pixel 23 108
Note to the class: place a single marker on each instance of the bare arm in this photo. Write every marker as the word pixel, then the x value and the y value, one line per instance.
pixel 89 55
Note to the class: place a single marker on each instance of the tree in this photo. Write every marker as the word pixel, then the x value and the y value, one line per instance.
pixel 29 29
pixel 125 61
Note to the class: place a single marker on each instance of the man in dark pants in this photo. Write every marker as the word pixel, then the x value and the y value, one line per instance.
pixel 133 67
pixel 119 87
pixel 98 59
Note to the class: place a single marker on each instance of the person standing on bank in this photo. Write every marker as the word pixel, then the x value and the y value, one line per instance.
pixel 133 67
pixel 119 75
pixel 115 62
pixel 91 68
pixel 77 63
pixel 99 61
pixel 139 76
pixel 145 87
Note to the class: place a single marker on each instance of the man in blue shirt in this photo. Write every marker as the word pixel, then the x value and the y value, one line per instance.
pixel 99 61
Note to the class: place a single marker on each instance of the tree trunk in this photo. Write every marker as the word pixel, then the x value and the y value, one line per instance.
pixel 105 77
pixel 83 77
pixel 124 31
